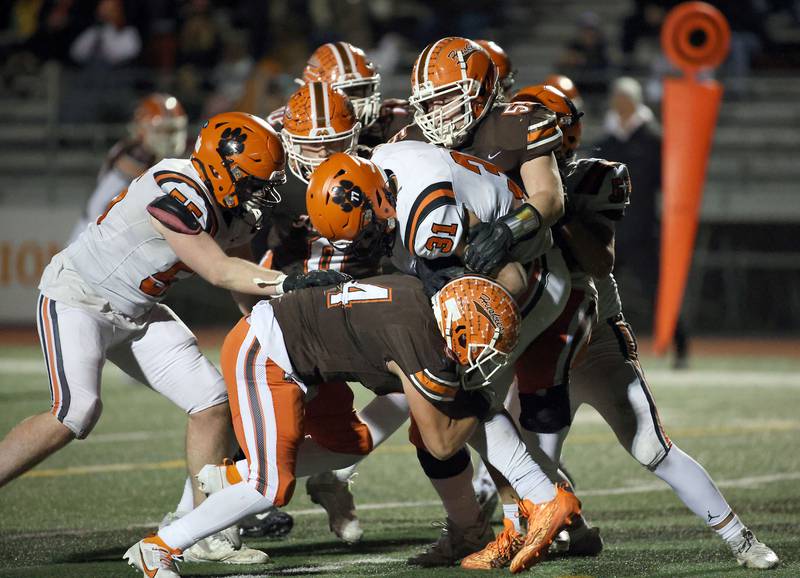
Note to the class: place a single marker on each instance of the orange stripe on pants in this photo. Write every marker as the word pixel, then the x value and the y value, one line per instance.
pixel 51 356
pixel 273 406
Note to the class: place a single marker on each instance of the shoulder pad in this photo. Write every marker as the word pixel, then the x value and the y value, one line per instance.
pixel 526 127
pixel 599 186
pixel 174 215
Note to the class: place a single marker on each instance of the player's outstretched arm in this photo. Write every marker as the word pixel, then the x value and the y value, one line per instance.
pixel 443 436
pixel 202 254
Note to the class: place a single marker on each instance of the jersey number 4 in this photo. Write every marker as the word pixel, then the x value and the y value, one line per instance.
pixel 354 292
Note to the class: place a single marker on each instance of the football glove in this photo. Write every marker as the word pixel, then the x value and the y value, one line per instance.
pixel 488 244
pixel 317 278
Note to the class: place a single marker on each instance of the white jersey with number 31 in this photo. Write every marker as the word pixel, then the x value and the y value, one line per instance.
pixel 436 188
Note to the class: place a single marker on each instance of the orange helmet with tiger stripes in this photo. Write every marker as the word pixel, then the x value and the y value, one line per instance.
pixel 350 201
pixel 160 122
pixel 567 114
pixel 453 84
pixel 480 322
pixel 347 68
pixel 318 120
pixel 240 159
pixel 505 73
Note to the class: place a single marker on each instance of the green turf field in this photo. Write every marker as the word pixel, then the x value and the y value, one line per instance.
pixel 75 514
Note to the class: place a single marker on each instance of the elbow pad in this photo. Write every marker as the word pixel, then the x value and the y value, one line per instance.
pixel 174 215
pixel 523 222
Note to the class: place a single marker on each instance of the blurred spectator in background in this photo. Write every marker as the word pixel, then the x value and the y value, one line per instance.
pixel 110 41
pixel 158 130
pixel 632 136
pixel 644 22
pixel 199 50
pixel 102 87
pixel 586 57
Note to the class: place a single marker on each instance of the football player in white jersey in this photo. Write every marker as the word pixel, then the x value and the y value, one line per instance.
pixel 439 193
pixel 157 131
pixel 607 375
pixel 100 297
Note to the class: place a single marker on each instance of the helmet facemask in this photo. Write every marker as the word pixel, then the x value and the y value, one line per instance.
pixel 256 196
pixel 478 362
pixel 165 137
pixel 365 96
pixel 306 153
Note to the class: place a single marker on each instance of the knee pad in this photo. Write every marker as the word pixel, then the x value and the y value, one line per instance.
pixel 82 415
pixel 438 469
pixel 546 411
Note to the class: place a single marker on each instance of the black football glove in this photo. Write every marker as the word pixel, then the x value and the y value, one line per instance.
pixel 317 278
pixel 436 273
pixel 487 247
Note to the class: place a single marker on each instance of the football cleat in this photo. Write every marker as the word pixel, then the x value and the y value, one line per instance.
pixel 499 552
pixel 270 524
pixel 454 543
pixel 224 547
pixel 545 521
pixel 153 558
pixel 751 553
pixel 577 541
pixel 335 497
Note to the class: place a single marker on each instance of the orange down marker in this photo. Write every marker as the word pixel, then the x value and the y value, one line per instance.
pixel 695 37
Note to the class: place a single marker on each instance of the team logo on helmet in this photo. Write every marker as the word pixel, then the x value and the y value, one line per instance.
pixel 231 141
pixel 347 195
pixel 466 52
pixel 484 307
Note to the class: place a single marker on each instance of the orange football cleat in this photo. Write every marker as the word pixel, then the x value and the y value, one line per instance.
pixel 545 521
pixel 499 552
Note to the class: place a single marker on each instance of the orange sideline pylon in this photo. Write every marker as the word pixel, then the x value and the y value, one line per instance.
pixel 695 36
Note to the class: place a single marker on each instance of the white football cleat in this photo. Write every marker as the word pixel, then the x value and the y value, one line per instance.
pixel 335 497
pixel 751 553
pixel 153 558
pixel 225 547
pixel 455 543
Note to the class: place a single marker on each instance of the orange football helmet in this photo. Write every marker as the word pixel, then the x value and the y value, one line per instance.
pixel 160 122
pixel 568 115
pixel 347 68
pixel 453 84
pixel 351 202
pixel 480 322
pixel 505 73
pixel 318 120
pixel 565 85
pixel 241 160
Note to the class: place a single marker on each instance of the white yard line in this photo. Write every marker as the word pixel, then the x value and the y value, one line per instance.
pixel 745 482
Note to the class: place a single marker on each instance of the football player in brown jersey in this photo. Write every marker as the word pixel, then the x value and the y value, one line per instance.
pixel 275 358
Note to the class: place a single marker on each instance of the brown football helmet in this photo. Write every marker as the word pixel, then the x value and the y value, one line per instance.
pixel 453 84
pixel 347 68
pixel 318 120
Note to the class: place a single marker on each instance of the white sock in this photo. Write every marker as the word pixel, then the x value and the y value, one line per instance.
pixel 732 531
pixel 383 416
pixel 693 486
pixel 458 498
pixel 499 444
pixel 187 499
pixel 511 512
pixel 216 513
